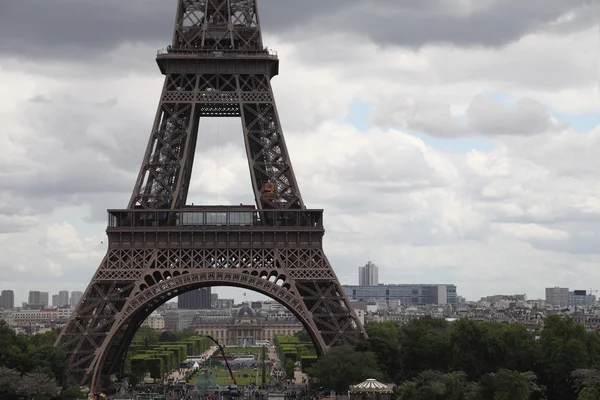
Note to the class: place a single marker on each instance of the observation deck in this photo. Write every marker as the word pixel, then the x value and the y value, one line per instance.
pixel 195 61
pixel 215 227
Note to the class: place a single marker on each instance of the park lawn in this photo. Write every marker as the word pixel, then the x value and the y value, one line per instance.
pixel 223 378
pixel 244 350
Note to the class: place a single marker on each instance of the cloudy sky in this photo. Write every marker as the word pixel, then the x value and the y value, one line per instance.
pixel 449 141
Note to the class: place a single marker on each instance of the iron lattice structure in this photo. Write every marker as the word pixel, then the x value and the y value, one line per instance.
pixel 160 248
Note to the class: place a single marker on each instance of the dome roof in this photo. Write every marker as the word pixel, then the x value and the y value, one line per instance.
pixel 371 385
pixel 246 312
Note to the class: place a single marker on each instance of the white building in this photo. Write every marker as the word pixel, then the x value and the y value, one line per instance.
pixel 368 275
pixel 42 316
pixel 557 296
pixel 155 321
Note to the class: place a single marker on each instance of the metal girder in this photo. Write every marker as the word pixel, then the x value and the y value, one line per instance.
pixel 160 248
pixel 217 25
pixel 164 178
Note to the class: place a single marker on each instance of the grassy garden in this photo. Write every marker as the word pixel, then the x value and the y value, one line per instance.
pixel 290 349
pixel 244 376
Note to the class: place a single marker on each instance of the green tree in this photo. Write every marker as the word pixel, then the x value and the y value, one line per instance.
pixel 383 342
pixel 344 366
pixel 478 348
pixel 28 354
pixel 167 337
pixel 185 334
pixel 510 385
pixel 538 391
pixel 303 336
pixel 424 345
pixel 288 367
pixel 9 382
pixel 37 386
pixel 435 385
pixel 563 349
pixel 147 336
pixel 387 331
pixel 388 355
pixel 584 378
pixel 588 394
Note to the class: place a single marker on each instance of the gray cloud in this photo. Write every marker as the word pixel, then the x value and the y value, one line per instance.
pixel 74 137
pixel 415 24
pixel 484 117
pixel 86 29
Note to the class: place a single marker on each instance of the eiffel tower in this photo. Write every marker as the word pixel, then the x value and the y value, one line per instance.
pixel 159 247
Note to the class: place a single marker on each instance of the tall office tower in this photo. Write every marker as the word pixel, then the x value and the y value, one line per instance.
pixel 205 298
pixel 75 297
pixel 55 300
pixel 34 297
pixel 557 296
pixel 45 298
pixel 368 275
pixel 194 300
pixel 63 297
pixel 8 299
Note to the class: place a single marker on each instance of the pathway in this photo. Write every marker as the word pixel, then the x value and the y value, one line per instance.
pixel 179 373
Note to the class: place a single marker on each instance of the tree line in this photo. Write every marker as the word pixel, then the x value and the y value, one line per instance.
pixel 431 359
pixel 31 367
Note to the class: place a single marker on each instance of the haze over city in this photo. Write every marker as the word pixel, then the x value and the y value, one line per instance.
pixel 455 153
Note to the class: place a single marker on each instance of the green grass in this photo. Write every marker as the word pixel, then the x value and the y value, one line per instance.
pixel 223 378
pixel 242 350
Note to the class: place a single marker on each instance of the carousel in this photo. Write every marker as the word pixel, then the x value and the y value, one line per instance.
pixel 371 389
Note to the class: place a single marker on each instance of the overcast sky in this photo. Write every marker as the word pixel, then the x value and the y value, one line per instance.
pixel 449 141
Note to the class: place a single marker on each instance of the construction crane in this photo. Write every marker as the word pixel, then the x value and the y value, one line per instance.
pixel 224 357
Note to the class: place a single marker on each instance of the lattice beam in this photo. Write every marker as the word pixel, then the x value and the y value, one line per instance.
pixel 216 66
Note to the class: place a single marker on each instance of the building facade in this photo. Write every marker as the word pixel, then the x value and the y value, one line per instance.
pixel 368 275
pixel 557 296
pixel 63 298
pixel 581 299
pixel 406 294
pixel 245 326
pixel 178 320
pixel 41 316
pixel 34 297
pixel 155 321
pixel 75 297
pixel 8 300
pixel 199 299
pixel 45 298
pixel 221 304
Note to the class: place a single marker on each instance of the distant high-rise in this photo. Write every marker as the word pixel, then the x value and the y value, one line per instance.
pixel 195 300
pixel 8 299
pixel 368 275
pixel 45 298
pixel 63 298
pixel 34 297
pixel 557 296
pixel 75 297
pixel 55 300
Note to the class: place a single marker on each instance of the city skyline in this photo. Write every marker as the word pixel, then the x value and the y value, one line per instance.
pixel 247 296
pixel 445 155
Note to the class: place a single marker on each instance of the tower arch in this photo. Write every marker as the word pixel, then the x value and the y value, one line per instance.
pixel 216 66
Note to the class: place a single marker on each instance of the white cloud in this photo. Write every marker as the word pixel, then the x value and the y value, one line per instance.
pixel 514 218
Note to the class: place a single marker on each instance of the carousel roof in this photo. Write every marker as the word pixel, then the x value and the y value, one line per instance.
pixel 371 385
